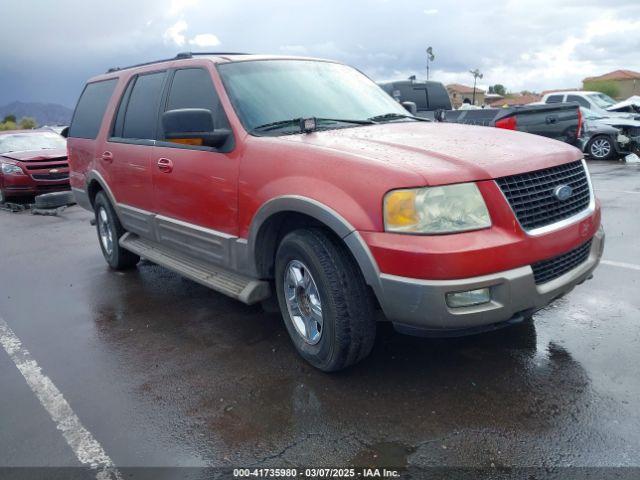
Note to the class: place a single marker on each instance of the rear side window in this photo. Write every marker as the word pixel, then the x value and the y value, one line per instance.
pixel 193 88
pixel 554 99
pixel 581 101
pixel 93 102
pixel 138 112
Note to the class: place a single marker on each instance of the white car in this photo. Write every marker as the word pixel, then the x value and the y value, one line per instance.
pixel 597 102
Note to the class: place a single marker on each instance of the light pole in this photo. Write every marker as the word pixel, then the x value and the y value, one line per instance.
pixel 430 58
pixel 476 75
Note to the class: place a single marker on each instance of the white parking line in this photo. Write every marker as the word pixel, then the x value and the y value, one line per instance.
pixel 630 266
pixel 616 191
pixel 86 448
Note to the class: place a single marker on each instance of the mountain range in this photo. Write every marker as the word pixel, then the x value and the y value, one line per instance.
pixel 43 113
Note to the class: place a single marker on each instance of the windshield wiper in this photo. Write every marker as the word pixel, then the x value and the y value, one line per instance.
pixel 344 120
pixel 276 125
pixel 395 116
pixel 296 122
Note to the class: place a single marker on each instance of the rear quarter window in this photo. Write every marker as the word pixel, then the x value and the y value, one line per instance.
pixel 90 109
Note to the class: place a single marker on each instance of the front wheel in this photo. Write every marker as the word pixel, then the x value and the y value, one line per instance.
pixel 109 232
pixel 601 148
pixel 325 302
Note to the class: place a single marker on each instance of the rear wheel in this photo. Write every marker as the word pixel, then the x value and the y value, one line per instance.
pixel 326 305
pixel 601 147
pixel 109 232
pixel 2 197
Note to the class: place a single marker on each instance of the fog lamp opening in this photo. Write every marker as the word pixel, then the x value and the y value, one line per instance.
pixel 469 298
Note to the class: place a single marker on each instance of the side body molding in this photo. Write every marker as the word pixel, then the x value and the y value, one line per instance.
pixel 235 254
pixel 327 216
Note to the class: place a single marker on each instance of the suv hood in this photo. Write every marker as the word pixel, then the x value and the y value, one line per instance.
pixel 36 155
pixel 443 152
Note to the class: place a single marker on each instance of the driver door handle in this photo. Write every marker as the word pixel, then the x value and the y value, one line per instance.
pixel 165 165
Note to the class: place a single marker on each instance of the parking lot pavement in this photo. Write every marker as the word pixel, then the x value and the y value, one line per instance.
pixel 160 371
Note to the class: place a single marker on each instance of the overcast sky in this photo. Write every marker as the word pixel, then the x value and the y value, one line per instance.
pixel 50 47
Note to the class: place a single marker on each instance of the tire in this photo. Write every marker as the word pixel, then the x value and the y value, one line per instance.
pixel 54 200
pixel 109 231
pixel 347 332
pixel 601 147
pixel 2 197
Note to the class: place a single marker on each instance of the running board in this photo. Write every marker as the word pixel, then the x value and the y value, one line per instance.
pixel 245 289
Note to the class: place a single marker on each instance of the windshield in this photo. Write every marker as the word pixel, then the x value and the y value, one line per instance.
pixel 601 100
pixel 264 92
pixel 20 142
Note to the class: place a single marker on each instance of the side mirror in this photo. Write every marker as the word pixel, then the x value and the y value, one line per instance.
pixel 193 126
pixel 410 107
pixel 64 132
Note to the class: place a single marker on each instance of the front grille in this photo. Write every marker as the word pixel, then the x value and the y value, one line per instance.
pixel 547 270
pixel 532 199
pixel 44 166
pixel 51 176
pixel 53 188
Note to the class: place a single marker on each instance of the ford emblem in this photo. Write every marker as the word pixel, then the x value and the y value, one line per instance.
pixel 562 192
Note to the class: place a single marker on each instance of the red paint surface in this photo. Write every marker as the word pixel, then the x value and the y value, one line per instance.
pixel 348 170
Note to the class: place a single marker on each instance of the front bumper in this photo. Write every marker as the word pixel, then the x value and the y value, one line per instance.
pixel 24 185
pixel 419 306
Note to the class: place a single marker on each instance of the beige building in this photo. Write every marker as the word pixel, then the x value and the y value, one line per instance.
pixel 514 100
pixel 627 81
pixel 458 93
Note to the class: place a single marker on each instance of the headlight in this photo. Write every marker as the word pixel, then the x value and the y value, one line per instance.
pixel 10 168
pixel 433 210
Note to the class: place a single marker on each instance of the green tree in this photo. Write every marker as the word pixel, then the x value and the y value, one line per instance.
pixel 27 123
pixel 8 125
pixel 603 86
pixel 10 118
pixel 498 89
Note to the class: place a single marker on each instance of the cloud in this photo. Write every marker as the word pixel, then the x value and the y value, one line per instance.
pixel 175 33
pixel 523 44
pixel 176 7
pixel 294 49
pixel 205 40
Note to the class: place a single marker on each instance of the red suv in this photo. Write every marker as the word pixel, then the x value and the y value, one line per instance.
pixel 302 179
pixel 32 162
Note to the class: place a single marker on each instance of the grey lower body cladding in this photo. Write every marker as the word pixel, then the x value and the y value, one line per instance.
pixel 420 305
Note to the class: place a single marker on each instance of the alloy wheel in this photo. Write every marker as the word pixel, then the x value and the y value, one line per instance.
pixel 601 148
pixel 303 302
pixel 104 231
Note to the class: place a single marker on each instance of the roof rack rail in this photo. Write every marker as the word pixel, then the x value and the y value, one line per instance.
pixel 192 54
pixel 179 56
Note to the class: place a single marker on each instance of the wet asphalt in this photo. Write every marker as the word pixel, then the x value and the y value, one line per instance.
pixel 164 372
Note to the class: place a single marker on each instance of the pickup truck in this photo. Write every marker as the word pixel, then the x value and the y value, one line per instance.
pixel 560 122
pixel 299 183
